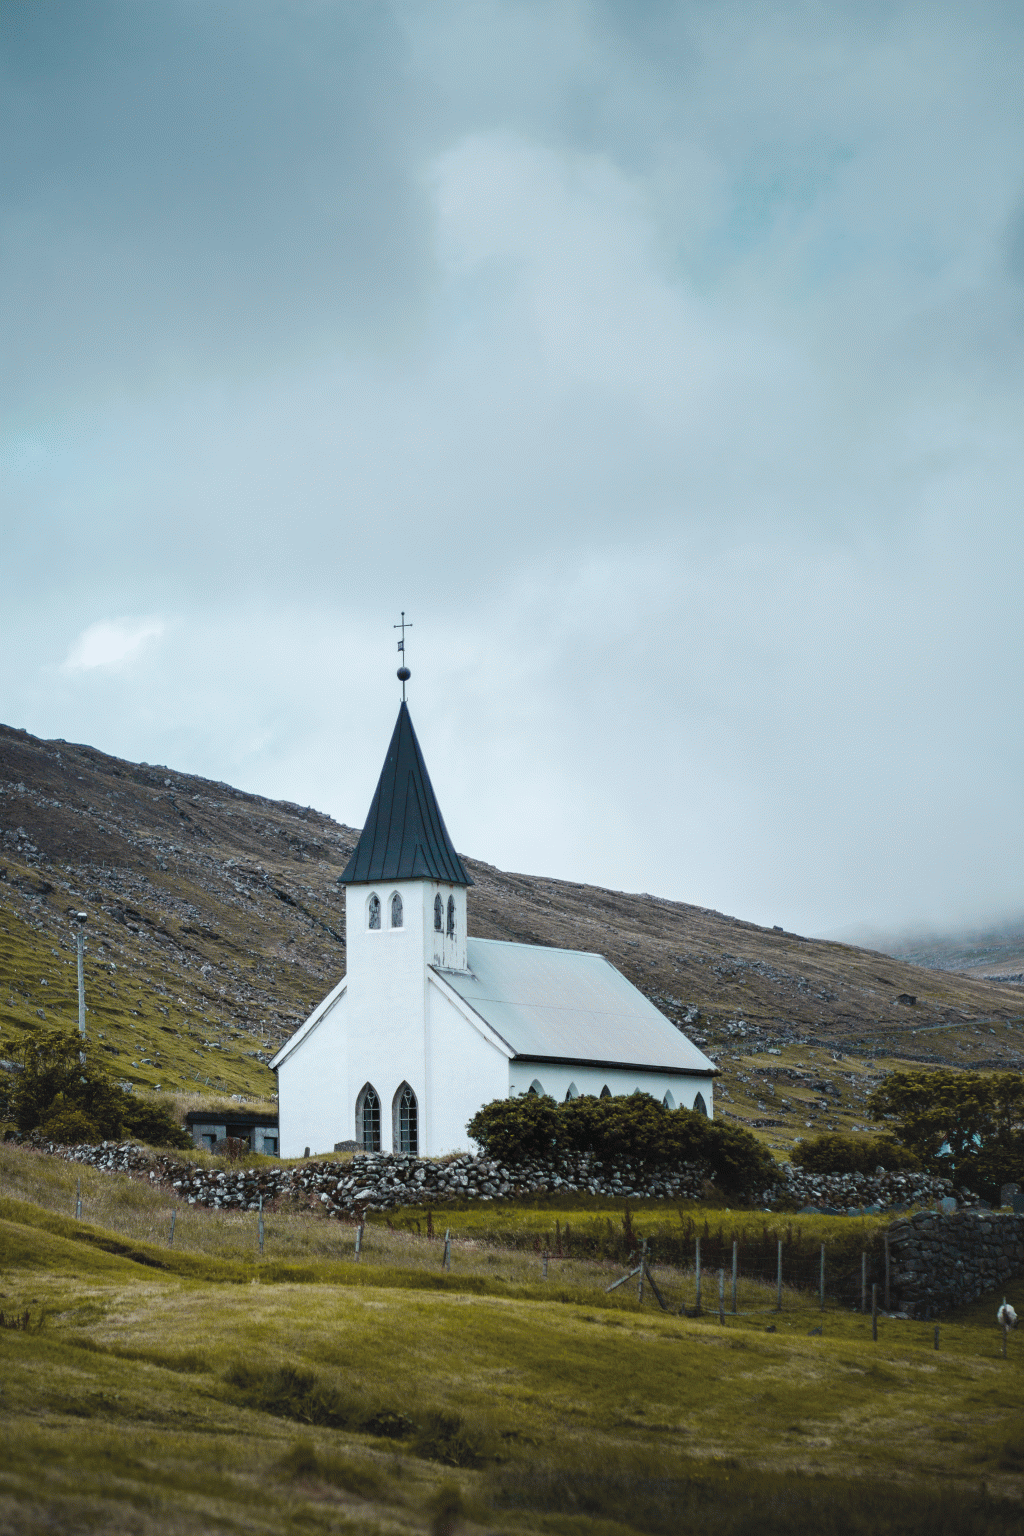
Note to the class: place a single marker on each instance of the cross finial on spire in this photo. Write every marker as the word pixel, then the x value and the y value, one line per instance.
pixel 403 672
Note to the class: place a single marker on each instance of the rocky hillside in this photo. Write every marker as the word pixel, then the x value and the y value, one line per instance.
pixel 216 922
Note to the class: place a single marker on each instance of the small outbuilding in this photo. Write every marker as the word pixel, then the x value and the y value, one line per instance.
pixel 207 1127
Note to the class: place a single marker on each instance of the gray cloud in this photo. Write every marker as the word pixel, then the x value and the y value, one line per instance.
pixel 665 363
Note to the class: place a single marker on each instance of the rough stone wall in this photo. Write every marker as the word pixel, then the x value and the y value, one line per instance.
pixel 836 1193
pixel 938 1262
pixel 377 1182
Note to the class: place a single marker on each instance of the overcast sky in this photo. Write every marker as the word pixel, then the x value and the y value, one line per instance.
pixel 664 362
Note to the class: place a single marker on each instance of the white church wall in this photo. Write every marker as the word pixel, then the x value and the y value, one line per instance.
pixel 466 1070
pixel 310 1086
pixel 556 1079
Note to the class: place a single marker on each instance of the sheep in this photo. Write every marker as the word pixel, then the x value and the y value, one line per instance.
pixel 1006 1317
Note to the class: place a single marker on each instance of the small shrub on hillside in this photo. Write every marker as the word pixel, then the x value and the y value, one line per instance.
pixel 833 1152
pixel 968 1126
pixel 73 1100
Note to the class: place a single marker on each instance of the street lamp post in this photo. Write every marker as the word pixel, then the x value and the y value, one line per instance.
pixel 78 920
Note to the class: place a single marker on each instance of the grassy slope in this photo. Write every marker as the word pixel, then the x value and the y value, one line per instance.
pixel 127 1409
pixel 222 916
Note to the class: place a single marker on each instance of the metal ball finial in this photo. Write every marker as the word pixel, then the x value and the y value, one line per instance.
pixel 404 674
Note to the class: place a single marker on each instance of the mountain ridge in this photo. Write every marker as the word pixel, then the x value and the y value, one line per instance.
pixel 217 923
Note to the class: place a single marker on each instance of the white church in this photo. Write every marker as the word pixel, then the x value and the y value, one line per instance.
pixel 430 1024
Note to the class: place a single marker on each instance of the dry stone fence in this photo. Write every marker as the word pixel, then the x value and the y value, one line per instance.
pixel 943 1261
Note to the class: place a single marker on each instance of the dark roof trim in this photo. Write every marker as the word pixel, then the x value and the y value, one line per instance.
pixel 405 837
pixel 212 1117
pixel 622 1066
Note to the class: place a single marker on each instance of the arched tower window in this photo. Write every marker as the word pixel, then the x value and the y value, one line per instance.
pixel 373 911
pixel 368 1119
pixel 396 911
pixel 406 1121
pixel 451 917
pixel 606 1092
pixel 699 1107
pixel 438 915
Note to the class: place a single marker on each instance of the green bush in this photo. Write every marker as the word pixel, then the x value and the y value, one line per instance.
pixel 66 1093
pixel 832 1152
pixel 635 1129
pixel 153 1123
pixel 967 1126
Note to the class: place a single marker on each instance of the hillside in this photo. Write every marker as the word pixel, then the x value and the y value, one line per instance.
pixel 216 922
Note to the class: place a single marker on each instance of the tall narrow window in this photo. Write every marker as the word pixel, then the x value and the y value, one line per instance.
pixel 699 1107
pixel 536 1088
pixel 668 1101
pixel 606 1092
pixel 407 1129
pixel 396 911
pixel 373 911
pixel 572 1092
pixel 451 917
pixel 368 1119
pixel 438 915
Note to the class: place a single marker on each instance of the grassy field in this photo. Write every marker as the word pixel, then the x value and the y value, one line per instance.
pixel 149 1388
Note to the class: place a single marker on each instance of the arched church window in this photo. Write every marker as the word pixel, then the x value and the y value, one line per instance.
pixel 536 1088
pixel 438 915
pixel 668 1101
pixel 396 911
pixel 406 1121
pixel 373 911
pixel 606 1092
pixel 451 917
pixel 368 1119
pixel 699 1107
pixel 572 1092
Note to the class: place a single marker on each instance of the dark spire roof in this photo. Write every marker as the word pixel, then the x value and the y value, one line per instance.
pixel 405 837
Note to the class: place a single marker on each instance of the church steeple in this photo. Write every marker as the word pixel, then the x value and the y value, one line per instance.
pixel 405 837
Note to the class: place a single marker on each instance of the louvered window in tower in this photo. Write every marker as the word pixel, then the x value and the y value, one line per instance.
pixel 451 917
pixel 396 911
pixel 438 915
pixel 408 1134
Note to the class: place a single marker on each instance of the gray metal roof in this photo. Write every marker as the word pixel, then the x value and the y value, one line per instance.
pixel 405 837
pixel 568 1005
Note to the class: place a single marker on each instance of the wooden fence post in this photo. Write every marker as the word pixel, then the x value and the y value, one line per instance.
pixel 697 1267
pixel 888 1305
pixel 821 1283
pixel 778 1285
pixel 448 1248
pixel 734 1273
pixel 863 1283
pixel 545 1271
pixel 936 1335
pixel 643 1265
pixel 170 1240
pixel 874 1313
pixel 721 1297
pixel 259 1226
pixel 78 1199
pixel 359 1242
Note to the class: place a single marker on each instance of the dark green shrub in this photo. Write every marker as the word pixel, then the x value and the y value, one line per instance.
pixel 74 1101
pixel 516 1130
pixel 154 1123
pixel 635 1129
pixel 832 1152
pixel 967 1126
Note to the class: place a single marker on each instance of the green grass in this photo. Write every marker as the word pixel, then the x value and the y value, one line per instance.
pixel 197 1388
